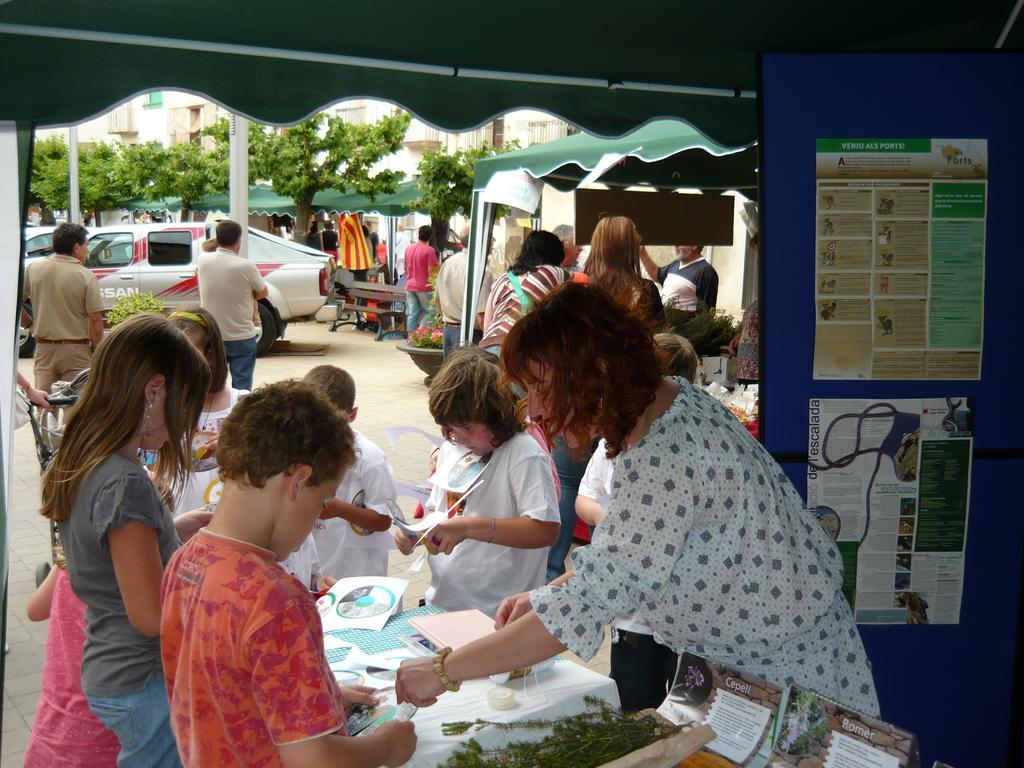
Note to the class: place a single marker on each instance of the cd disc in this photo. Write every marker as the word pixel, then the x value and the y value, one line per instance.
pixel 366 602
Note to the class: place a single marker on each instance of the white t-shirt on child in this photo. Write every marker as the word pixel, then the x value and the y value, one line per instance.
pixel 303 563
pixel 517 482
pixel 597 485
pixel 345 549
pixel 203 482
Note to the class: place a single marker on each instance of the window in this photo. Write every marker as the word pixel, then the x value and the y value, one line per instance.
pixel 40 245
pixel 153 100
pixel 167 249
pixel 109 250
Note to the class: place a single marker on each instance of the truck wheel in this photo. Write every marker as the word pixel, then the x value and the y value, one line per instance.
pixel 26 342
pixel 269 323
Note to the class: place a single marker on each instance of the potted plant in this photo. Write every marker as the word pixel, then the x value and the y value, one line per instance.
pixel 425 345
pixel 133 304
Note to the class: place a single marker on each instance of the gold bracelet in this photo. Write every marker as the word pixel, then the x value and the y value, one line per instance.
pixel 446 681
pixel 494 527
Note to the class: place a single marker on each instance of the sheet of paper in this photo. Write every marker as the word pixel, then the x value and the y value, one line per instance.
pixel 361 602
pixel 890 481
pixel 850 753
pixel 739 725
pixel 899 258
pixel 418 491
pixel 393 433
pixel 331 643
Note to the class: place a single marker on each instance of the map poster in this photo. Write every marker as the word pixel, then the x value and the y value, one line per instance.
pixel 890 481
pixel 899 262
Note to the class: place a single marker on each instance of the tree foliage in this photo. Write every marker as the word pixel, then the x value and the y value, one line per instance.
pixel 325 152
pixel 49 186
pixel 100 180
pixel 446 181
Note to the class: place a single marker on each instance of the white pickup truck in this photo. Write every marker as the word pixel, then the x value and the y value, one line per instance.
pixel 162 259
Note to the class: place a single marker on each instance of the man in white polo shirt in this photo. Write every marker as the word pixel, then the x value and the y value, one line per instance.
pixel 228 285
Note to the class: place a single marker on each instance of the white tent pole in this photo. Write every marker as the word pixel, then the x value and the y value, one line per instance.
pixel 10 265
pixel 481 220
pixel 74 198
pixel 391 223
pixel 239 177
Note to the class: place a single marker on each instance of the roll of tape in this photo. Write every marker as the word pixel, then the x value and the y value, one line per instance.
pixel 501 698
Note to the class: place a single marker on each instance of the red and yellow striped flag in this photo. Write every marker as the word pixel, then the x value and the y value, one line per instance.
pixel 352 243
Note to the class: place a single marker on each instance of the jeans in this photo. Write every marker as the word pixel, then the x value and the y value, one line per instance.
pixel 142 723
pixel 642 669
pixel 453 338
pixel 242 362
pixel 417 309
pixel 570 473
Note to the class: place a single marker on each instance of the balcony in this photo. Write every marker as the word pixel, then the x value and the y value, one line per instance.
pixel 122 120
pixel 422 137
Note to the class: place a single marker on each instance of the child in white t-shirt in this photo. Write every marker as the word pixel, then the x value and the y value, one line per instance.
pixel 304 565
pixel 496 541
pixel 350 535
pixel 202 486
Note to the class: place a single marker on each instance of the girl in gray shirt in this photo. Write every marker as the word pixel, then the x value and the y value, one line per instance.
pixel 145 393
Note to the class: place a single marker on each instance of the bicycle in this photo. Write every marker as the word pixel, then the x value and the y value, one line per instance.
pixel 48 430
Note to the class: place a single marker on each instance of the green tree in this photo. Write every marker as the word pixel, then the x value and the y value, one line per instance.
pixel 49 186
pixel 446 181
pixel 325 152
pixel 221 153
pixel 101 179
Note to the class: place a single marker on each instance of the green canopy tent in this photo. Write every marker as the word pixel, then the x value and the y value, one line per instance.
pixel 665 154
pixel 605 67
pixel 400 203
pixel 262 200
pixel 65 61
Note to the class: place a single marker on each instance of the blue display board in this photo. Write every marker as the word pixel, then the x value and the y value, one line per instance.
pixel 953 685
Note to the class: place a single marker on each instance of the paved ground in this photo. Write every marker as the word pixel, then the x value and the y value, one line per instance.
pixel 390 392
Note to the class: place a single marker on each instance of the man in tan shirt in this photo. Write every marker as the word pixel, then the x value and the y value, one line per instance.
pixel 450 295
pixel 67 308
pixel 228 285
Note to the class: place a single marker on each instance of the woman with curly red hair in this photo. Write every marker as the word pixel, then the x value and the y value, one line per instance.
pixel 705 537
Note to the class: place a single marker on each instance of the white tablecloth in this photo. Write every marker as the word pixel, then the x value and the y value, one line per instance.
pixel 551 694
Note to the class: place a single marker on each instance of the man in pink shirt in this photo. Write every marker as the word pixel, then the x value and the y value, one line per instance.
pixel 420 260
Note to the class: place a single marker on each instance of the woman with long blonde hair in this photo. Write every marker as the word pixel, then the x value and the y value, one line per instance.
pixel 145 393
pixel 614 264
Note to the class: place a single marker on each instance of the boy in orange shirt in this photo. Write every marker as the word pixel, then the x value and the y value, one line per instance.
pixel 241 640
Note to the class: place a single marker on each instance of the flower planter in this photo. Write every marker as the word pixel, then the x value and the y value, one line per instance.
pixel 427 359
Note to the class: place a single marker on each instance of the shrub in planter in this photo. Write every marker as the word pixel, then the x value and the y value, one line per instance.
pixel 133 304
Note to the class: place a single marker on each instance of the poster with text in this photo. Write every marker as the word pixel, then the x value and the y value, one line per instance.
pixel 817 732
pixel 890 481
pixel 899 263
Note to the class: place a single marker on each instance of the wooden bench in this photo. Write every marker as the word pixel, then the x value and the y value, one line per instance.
pixel 355 305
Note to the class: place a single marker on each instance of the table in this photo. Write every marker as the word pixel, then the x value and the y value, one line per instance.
pixel 552 693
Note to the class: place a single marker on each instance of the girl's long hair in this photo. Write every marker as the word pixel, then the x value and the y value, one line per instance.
pixel 111 409
pixel 614 261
